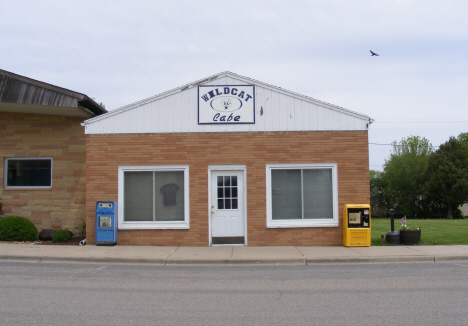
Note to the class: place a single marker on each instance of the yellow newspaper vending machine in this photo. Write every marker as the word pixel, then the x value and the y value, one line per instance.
pixel 356 225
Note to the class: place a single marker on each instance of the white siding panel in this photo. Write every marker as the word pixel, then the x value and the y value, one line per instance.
pixel 125 123
pixel 191 109
pixel 305 116
pixel 298 115
pixel 220 81
pixel 345 122
pixel 155 116
pixel 259 118
pixel 360 124
pixel 216 128
pixel 170 114
pixel 110 127
pixel 242 127
pixel 183 116
pixel 321 119
pixel 334 120
pixel 268 110
pixel 328 120
pixel 148 117
pixel 116 122
pixel 177 109
pixel 292 113
pixel 133 120
pixel 283 112
pixel 275 112
pixel 162 111
pixel 311 120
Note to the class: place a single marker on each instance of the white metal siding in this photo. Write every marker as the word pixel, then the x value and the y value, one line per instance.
pixel 178 113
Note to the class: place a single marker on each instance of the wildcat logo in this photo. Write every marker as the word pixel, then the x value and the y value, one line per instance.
pixel 226 104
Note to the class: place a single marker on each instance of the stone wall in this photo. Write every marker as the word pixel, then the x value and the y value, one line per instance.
pixel 63 139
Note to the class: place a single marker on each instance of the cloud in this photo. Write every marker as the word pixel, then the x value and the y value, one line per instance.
pixel 120 52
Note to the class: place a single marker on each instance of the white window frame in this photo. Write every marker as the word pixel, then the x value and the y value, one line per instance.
pixel 289 223
pixel 5 172
pixel 136 225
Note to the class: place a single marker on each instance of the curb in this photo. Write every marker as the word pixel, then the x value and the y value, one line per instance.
pixel 300 262
pixel 297 262
pixel 372 260
pixel 81 259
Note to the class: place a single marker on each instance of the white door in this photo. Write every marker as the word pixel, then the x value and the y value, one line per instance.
pixel 227 207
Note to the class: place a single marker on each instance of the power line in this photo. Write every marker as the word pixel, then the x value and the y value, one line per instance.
pixel 416 120
pixel 395 145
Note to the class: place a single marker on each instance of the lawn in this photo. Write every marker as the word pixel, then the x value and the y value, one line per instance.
pixel 433 232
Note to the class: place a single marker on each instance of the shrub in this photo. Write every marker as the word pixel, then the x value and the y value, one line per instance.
pixel 16 228
pixel 82 229
pixel 61 236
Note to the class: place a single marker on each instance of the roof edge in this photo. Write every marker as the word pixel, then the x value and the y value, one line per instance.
pixel 83 100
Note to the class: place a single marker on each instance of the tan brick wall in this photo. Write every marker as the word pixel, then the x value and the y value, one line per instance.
pixel 63 139
pixel 348 149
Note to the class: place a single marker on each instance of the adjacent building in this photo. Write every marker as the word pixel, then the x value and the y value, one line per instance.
pixel 43 151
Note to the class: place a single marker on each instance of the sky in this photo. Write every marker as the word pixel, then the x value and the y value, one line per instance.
pixel 120 52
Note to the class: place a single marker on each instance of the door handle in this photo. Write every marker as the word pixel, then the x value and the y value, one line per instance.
pixel 212 212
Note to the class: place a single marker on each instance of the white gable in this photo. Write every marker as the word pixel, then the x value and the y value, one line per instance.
pixel 275 109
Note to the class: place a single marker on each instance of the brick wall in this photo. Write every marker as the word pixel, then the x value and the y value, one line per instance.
pixel 63 139
pixel 348 149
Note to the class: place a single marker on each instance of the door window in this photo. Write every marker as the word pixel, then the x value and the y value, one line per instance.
pixel 227 192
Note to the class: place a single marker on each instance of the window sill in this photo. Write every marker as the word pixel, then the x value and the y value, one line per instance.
pixel 152 225
pixel 27 188
pixel 301 224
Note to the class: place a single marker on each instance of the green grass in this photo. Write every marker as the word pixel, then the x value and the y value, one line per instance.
pixel 433 232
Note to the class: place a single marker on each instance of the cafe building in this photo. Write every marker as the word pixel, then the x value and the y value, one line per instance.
pixel 227 160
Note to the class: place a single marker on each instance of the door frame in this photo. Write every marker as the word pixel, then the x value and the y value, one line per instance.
pixel 241 168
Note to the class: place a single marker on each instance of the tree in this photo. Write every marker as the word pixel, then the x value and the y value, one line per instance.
pixel 378 195
pixel 463 138
pixel 447 176
pixel 404 176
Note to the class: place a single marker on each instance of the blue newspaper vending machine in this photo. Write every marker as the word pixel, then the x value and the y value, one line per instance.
pixel 106 223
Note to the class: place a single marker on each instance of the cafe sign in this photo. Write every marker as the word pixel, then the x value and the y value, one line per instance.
pixel 226 104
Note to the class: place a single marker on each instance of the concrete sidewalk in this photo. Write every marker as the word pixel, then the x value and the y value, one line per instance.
pixel 233 254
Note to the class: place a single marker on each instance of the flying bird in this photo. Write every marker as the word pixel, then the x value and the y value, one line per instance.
pixel 372 53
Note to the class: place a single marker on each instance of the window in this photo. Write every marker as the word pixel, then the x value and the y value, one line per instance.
pixel 302 195
pixel 227 192
pixel 153 197
pixel 28 172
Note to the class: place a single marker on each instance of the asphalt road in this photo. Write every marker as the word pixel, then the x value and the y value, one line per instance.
pixel 111 294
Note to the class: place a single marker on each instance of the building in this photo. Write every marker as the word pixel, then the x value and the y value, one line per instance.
pixel 227 160
pixel 42 146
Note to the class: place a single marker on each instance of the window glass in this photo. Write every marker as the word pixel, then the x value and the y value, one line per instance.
pixel 286 194
pixel 302 195
pixel 138 196
pixel 153 197
pixel 318 194
pixel 169 196
pixel 227 192
pixel 29 172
